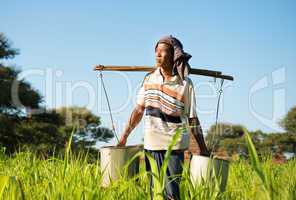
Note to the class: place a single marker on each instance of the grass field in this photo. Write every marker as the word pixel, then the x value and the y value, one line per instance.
pixel 24 176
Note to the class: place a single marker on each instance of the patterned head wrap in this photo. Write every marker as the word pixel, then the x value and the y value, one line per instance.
pixel 181 66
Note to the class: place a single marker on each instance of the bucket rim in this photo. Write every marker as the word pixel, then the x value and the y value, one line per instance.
pixel 213 158
pixel 122 147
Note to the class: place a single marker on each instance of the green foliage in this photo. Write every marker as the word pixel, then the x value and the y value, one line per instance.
pixel 33 178
pixel 255 162
pixel 19 133
pixel 102 133
pixel 225 130
pixel 40 137
pixel 3 182
pixel 26 96
pixel 8 136
pixel 16 94
pixel 44 131
pixel 51 117
pixel 226 137
pixel 88 126
pixel 230 143
pixel 77 116
pixel 289 121
pixel 273 180
pixel 6 51
pixel 24 176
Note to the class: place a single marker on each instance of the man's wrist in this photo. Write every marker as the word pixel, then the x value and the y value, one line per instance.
pixel 125 135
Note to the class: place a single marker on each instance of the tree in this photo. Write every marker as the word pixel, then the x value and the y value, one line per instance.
pixel 226 137
pixel 289 121
pixel 40 137
pixel 79 116
pixel 289 124
pixel 223 130
pixel 6 51
pixel 8 137
pixel 10 110
pixel 87 124
pixel 45 131
pixel 15 94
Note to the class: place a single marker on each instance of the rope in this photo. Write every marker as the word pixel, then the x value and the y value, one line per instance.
pixel 108 103
pixel 220 91
pixel 218 103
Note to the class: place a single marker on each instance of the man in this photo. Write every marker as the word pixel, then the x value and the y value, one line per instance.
pixel 168 97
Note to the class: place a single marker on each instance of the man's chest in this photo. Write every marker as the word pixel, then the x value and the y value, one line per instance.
pixel 169 98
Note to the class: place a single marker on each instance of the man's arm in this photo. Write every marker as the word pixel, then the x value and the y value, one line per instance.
pixel 133 121
pixel 196 131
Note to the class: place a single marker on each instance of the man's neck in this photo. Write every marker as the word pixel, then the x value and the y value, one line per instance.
pixel 166 73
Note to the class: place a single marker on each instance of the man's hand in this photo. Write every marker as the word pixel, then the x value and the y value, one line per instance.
pixel 196 131
pixel 122 141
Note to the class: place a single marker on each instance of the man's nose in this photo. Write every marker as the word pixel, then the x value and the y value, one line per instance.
pixel 157 54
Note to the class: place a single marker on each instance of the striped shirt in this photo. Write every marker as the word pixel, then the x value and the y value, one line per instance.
pixel 168 105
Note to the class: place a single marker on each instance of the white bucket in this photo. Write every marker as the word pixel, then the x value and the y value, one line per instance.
pixel 113 159
pixel 203 168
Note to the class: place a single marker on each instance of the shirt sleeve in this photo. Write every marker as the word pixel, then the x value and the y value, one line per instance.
pixel 140 100
pixel 141 96
pixel 190 103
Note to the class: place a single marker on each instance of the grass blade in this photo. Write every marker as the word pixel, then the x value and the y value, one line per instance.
pixel 256 165
pixel 3 182
pixel 167 157
pixel 67 153
pixel 157 187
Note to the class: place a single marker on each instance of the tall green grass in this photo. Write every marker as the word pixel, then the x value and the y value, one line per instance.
pixel 24 176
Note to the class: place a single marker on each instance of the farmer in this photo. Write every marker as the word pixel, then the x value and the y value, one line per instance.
pixel 168 97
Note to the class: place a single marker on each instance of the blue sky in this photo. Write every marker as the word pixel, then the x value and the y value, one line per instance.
pixel 252 40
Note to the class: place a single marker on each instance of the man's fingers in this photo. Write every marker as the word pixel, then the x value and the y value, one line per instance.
pixel 120 144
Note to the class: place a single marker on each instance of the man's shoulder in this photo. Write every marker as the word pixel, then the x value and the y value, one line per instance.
pixel 188 80
pixel 150 75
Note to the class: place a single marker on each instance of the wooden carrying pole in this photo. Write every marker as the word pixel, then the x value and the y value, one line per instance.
pixel 202 72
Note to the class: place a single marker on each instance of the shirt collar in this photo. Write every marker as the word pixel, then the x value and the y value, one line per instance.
pixel 174 80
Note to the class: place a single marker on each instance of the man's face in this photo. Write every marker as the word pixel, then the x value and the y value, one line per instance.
pixel 164 56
